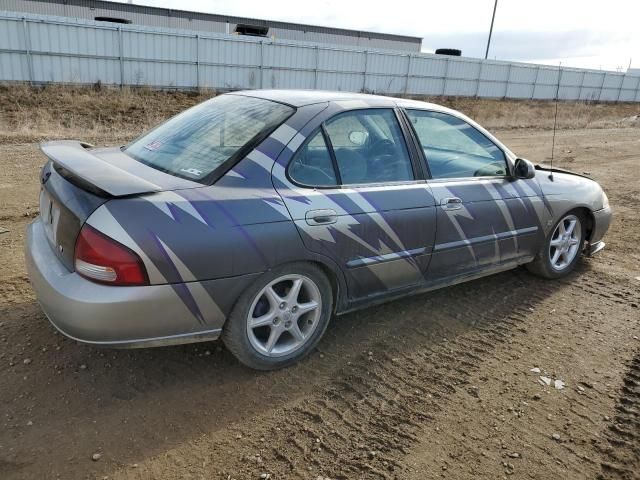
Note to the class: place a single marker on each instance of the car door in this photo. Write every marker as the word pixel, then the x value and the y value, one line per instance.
pixel 485 218
pixel 357 196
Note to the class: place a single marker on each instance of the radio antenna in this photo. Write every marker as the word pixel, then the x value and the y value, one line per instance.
pixel 555 120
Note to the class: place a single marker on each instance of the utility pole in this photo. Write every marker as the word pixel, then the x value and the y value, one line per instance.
pixel 493 17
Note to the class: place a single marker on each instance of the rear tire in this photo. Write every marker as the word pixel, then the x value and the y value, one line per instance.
pixel 562 248
pixel 280 318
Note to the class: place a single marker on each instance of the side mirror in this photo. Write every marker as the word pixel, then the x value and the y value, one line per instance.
pixel 358 138
pixel 524 169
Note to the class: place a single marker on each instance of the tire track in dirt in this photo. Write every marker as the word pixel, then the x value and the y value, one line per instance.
pixel 566 334
pixel 622 454
pixel 364 422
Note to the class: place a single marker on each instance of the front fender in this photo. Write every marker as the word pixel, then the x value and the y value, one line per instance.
pixel 565 191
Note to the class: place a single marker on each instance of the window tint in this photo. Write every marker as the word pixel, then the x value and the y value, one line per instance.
pixel 312 164
pixel 197 141
pixel 454 148
pixel 369 147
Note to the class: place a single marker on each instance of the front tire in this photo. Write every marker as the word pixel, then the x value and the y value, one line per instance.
pixel 562 248
pixel 280 318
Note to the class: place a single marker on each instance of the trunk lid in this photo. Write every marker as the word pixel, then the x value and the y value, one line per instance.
pixel 64 207
pixel 78 179
pixel 109 171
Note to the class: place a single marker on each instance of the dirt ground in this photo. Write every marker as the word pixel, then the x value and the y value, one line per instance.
pixel 433 386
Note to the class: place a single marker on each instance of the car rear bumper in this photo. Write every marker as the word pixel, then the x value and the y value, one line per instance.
pixel 124 317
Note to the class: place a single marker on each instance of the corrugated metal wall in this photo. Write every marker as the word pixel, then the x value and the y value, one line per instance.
pixel 42 49
pixel 210 23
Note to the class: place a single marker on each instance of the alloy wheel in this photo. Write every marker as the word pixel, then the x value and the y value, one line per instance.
pixel 284 315
pixel 565 242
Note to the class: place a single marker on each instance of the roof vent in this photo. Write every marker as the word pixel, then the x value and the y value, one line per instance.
pixel 252 30
pixel 449 51
pixel 112 20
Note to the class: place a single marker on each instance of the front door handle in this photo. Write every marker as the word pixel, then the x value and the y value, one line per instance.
pixel 321 217
pixel 451 203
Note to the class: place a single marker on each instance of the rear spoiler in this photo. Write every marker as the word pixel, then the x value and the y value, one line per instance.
pixel 75 158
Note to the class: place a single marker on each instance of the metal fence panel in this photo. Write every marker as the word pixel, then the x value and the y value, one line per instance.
pixel 571 78
pixel 14 67
pixel 287 56
pixel 340 81
pixel 496 72
pixel 589 93
pixel 155 46
pixel 461 69
pixel 609 94
pixel 544 92
pixel 425 86
pixel 612 80
pixel 627 96
pixel 71 39
pixel 523 74
pixel 568 93
pixel 275 78
pixel 158 74
pixel 548 76
pixel 341 60
pixel 378 62
pixel 12 35
pixel 593 79
pixel 520 90
pixel 45 49
pixel 491 89
pixel 212 76
pixel 222 52
pixel 385 83
pixel 65 69
pixel 466 88
pixel 629 82
pixel 429 66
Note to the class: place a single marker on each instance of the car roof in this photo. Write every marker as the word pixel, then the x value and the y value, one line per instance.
pixel 352 100
pixel 300 98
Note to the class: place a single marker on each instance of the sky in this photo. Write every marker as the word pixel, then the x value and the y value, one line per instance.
pixel 587 33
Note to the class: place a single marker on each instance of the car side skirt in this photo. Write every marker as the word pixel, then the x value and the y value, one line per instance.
pixel 434 285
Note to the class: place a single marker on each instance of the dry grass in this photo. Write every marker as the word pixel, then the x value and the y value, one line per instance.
pixel 508 114
pixel 111 115
pixel 105 114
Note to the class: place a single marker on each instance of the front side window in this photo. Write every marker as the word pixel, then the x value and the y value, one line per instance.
pixel 194 143
pixel 455 149
pixel 369 147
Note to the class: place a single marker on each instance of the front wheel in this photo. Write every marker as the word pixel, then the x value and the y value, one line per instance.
pixel 280 318
pixel 561 250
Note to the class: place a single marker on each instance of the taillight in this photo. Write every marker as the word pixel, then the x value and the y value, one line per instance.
pixel 102 259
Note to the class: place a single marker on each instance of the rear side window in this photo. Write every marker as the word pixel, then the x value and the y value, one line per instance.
pixel 369 147
pixel 312 164
pixel 196 142
pixel 366 146
pixel 455 149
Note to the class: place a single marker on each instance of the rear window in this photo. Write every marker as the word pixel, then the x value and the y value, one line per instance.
pixel 196 142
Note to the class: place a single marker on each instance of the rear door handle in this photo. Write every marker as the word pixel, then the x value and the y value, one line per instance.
pixel 321 217
pixel 451 203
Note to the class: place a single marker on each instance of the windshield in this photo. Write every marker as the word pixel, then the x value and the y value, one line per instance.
pixel 194 143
